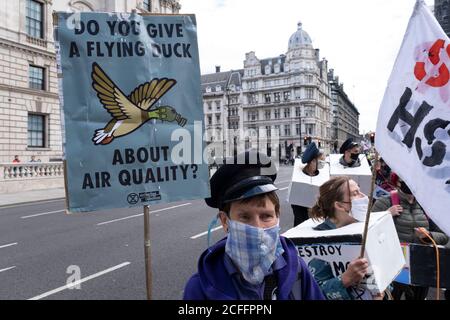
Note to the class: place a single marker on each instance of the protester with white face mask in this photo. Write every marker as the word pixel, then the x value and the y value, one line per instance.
pixel 340 203
pixel 253 262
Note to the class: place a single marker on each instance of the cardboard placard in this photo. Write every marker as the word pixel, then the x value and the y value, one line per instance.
pixel 340 246
pixel 362 175
pixel 304 189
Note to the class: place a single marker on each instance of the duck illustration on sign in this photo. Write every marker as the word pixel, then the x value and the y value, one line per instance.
pixel 130 112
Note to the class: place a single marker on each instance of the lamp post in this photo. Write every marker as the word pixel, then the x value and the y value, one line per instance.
pixel 300 131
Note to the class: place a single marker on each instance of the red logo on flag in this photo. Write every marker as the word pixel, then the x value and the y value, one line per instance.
pixel 442 76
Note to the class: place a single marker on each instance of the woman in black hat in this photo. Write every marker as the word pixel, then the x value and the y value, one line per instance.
pixel 253 262
pixel 311 157
pixel 351 151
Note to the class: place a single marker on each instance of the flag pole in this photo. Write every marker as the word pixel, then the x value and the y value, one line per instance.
pixel 369 207
pixel 147 250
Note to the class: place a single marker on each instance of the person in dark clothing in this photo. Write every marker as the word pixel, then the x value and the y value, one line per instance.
pixel 311 157
pixel 408 216
pixel 253 262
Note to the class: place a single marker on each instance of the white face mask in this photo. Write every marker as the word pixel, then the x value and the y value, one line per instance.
pixel 359 208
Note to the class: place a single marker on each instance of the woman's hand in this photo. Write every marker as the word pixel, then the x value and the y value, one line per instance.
pixel 355 272
pixel 396 210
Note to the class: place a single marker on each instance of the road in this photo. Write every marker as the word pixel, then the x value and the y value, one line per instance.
pixel 42 249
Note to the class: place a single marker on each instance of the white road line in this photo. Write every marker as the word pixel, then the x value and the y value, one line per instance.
pixel 30 204
pixel 141 214
pixel 68 286
pixel 41 214
pixel 205 233
pixel 10 268
pixel 8 245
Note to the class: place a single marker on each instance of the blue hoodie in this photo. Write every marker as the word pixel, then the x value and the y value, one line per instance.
pixel 213 281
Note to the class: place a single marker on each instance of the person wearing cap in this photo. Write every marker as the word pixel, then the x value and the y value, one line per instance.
pixel 341 203
pixel 311 157
pixel 253 262
pixel 350 151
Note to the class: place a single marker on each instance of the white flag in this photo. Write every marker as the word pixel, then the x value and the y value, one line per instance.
pixel 413 129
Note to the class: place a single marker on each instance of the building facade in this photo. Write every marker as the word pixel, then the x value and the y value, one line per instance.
pixel 442 13
pixel 345 115
pixel 29 106
pixel 284 99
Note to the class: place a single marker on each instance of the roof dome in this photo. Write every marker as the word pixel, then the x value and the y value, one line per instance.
pixel 299 38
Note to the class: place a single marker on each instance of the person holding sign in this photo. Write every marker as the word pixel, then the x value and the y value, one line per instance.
pixel 311 157
pixel 351 151
pixel 341 203
pixel 253 262
pixel 409 217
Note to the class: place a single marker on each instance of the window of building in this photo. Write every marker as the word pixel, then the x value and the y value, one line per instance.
pixel 268 131
pixel 208 89
pixel 277 113
pixel 36 130
pixel 209 120
pixel 218 118
pixel 297 128
pixel 277 130
pixel 147 5
pixel 309 78
pixel 267 115
pixel 35 19
pixel 218 105
pixel 276 97
pixel 287 113
pixel 287 130
pixel 297 111
pixel 287 95
pixel 309 93
pixel 209 103
pixel 267 70
pixel 253 98
pixel 267 97
pixel 277 68
pixel 36 77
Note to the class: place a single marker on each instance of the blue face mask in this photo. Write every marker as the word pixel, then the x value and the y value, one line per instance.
pixel 253 250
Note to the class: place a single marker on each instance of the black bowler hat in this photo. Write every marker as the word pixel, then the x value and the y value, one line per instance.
pixel 310 153
pixel 347 145
pixel 247 175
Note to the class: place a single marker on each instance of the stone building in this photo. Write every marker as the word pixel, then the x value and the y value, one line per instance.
pixel 345 115
pixel 287 97
pixel 442 13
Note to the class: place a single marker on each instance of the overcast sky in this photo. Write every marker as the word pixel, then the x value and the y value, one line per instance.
pixel 359 38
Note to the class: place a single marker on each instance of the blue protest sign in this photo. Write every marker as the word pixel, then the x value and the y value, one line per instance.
pixel 132 106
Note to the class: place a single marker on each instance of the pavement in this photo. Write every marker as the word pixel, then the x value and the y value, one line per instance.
pixel 9 199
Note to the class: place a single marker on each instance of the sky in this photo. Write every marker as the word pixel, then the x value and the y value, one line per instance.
pixel 359 38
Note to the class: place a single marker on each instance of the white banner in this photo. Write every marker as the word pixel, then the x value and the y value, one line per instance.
pixel 413 129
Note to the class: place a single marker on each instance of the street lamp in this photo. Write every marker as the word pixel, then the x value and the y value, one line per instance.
pixel 300 131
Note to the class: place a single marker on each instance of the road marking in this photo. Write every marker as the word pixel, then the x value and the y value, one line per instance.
pixel 8 245
pixel 74 284
pixel 30 203
pixel 141 214
pixel 205 233
pixel 41 214
pixel 3 270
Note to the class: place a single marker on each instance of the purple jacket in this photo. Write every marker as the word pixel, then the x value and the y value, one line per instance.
pixel 213 282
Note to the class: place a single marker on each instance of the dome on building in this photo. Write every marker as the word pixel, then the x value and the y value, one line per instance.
pixel 299 38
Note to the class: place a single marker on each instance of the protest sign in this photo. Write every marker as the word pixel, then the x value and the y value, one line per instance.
pixel 413 128
pixel 132 109
pixel 340 246
pixel 304 189
pixel 362 175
